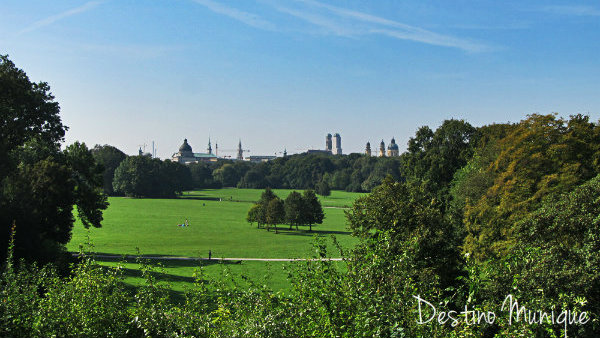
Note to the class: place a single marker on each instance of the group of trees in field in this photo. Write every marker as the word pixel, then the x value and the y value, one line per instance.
pixel 296 210
pixel 144 176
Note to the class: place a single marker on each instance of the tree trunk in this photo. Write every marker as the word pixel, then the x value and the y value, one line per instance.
pixel 310 227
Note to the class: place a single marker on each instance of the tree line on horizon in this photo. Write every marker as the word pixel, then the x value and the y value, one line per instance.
pixel 142 176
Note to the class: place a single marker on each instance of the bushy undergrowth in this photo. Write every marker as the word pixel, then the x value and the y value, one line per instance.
pixel 371 297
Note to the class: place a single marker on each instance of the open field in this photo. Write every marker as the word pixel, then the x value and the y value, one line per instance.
pixel 217 223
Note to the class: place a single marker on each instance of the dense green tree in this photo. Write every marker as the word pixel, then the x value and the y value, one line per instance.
pixel 541 156
pixel 27 111
pixel 294 208
pixel 253 179
pixel 275 213
pixel 322 188
pixel 227 175
pixel 202 176
pixel 143 176
pixel 135 176
pixel 434 157
pixel 402 213
pixel 259 212
pixel 385 166
pixel 312 211
pixel 266 196
pixel 88 177
pixel 256 214
pixel 39 183
pixel 110 158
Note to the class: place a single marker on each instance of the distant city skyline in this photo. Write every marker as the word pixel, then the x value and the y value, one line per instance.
pixel 283 74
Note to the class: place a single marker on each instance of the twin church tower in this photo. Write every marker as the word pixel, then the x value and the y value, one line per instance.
pixel 392 149
pixel 329 144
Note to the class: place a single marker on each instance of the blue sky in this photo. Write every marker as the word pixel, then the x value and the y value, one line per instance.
pixel 283 74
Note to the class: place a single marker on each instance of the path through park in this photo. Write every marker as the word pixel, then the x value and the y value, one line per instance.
pixel 175 258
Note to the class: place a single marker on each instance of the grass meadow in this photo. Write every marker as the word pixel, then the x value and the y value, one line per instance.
pixel 217 219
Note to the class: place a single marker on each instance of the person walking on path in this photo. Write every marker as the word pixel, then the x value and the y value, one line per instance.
pixel 209 254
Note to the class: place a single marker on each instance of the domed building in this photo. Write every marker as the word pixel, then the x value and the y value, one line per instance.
pixel 393 150
pixel 185 155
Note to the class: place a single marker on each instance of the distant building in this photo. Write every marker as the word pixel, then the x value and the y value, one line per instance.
pixel 393 150
pixel 240 151
pixel 328 143
pixel 338 144
pixel 260 158
pixel 141 153
pixel 368 149
pixel 185 155
pixel 382 149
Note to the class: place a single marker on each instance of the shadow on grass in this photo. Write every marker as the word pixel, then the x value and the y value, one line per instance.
pixel 293 232
pixel 200 198
pixel 160 260
pixel 158 270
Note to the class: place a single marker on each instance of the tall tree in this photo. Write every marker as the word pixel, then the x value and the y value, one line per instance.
pixel 256 214
pixel 110 158
pixel 27 111
pixel 322 188
pixel 313 212
pixel 294 207
pixel 275 213
pixel 39 184
pixel 87 175
pixel 434 157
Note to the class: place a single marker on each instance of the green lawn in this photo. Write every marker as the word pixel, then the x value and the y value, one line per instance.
pixel 337 198
pixel 217 223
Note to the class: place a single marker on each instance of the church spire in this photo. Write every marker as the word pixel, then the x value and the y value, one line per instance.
pixel 209 149
pixel 240 154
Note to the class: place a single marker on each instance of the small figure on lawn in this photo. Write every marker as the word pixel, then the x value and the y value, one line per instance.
pixel 209 254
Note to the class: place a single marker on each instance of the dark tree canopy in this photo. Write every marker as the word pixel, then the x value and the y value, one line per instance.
pixel 143 176
pixel 27 111
pixel 434 157
pixel 294 208
pixel 312 211
pixel 39 183
pixel 110 158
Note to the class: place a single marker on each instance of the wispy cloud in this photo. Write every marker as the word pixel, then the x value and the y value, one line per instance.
pixel 321 21
pixel 344 22
pixel 347 22
pixel 572 10
pixel 54 18
pixel 245 17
